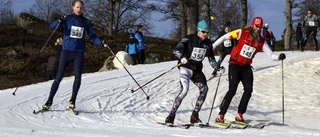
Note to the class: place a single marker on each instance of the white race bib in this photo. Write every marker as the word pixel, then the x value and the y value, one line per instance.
pixel 198 54
pixel 227 43
pixel 311 23
pixel 76 32
pixel 247 51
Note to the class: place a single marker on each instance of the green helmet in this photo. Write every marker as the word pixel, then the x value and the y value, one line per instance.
pixel 203 25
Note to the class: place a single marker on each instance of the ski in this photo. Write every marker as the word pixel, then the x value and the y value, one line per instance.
pixel 246 124
pixel 211 77
pixel 209 126
pixel 73 111
pixel 229 125
pixel 40 111
pixel 171 125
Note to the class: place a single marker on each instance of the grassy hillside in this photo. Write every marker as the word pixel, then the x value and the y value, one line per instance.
pixel 19 49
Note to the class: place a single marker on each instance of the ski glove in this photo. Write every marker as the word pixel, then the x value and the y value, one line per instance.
pixel 184 60
pixel 282 56
pixel 62 18
pixel 221 70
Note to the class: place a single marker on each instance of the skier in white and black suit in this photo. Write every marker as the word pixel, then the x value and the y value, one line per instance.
pixel 191 51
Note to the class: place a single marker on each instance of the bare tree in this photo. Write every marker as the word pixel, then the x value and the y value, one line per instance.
pixel 120 15
pixel 6 12
pixel 288 32
pixel 44 8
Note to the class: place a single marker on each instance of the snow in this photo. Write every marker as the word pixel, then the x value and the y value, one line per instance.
pixel 108 108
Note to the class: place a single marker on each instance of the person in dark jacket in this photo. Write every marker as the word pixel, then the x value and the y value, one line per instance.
pixel 51 67
pixel 133 49
pixel 142 44
pixel 272 41
pixel 191 51
pixel 227 46
pixel 73 48
pixel 266 34
pixel 299 35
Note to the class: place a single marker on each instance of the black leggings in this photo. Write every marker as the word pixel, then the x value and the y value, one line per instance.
pixel 66 57
pixel 236 74
pixel 314 35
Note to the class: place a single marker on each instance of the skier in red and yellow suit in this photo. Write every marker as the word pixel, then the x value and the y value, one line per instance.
pixel 250 42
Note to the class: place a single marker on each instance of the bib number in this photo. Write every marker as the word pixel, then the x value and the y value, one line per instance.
pixel 247 51
pixel 227 43
pixel 311 23
pixel 76 32
pixel 198 54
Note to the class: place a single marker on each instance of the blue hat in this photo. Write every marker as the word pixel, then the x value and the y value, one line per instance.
pixel 203 25
pixel 131 35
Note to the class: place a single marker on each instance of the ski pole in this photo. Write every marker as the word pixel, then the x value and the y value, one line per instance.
pixel 282 93
pixel 132 91
pixel 214 98
pixel 25 75
pixel 126 70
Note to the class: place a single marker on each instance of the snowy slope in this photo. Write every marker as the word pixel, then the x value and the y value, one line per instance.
pixel 108 108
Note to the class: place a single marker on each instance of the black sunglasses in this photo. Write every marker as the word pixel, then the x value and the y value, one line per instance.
pixel 205 31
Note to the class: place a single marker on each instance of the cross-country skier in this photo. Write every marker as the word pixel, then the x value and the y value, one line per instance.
pixel 191 51
pixel 313 24
pixel 250 42
pixel 73 48
pixel 227 45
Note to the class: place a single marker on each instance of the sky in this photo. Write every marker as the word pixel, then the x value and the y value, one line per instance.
pixel 107 108
pixel 271 12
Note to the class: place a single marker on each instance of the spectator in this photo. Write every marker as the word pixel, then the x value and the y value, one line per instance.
pixel 142 44
pixel 51 67
pixel 272 41
pixel 299 35
pixel 266 34
pixel 132 49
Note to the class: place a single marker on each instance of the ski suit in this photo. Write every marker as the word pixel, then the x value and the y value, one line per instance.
pixel 195 50
pixel 226 48
pixel 313 23
pixel 240 66
pixel 73 48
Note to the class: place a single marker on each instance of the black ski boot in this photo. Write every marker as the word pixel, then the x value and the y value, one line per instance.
pixel 195 118
pixel 169 120
pixel 47 105
pixel 72 104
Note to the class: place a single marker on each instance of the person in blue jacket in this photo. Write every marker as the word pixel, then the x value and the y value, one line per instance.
pixel 73 48
pixel 142 44
pixel 132 49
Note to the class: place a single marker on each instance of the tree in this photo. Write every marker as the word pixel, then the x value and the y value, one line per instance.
pixel 244 13
pixel 120 15
pixel 44 8
pixel 288 32
pixel 6 12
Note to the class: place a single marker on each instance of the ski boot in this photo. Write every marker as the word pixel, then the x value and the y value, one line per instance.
pixel 220 119
pixel 72 104
pixel 195 118
pixel 47 105
pixel 169 120
pixel 316 48
pixel 239 117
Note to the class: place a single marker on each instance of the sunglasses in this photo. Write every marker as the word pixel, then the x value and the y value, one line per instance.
pixel 205 31
pixel 257 26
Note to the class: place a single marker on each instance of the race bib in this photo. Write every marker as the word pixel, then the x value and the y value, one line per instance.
pixel 227 43
pixel 198 54
pixel 76 32
pixel 311 23
pixel 247 51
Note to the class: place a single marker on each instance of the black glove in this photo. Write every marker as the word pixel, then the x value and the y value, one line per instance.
pixel 282 56
pixel 62 18
pixel 104 43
